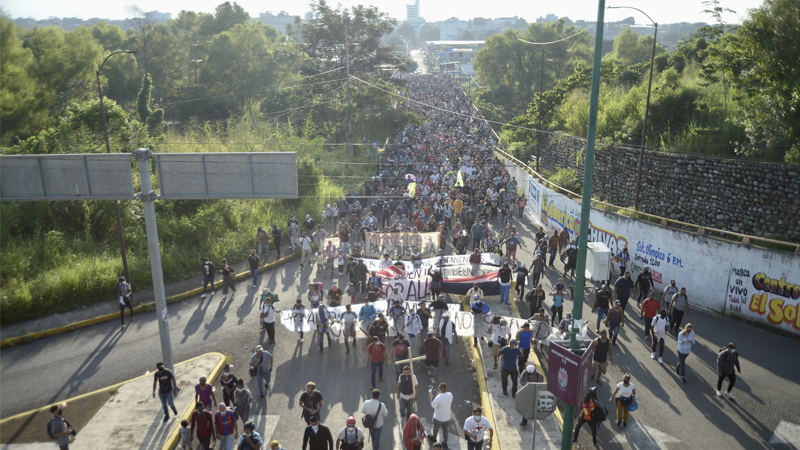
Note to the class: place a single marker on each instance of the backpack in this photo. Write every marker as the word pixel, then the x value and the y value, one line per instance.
pixel 49 430
pixel 368 421
pixel 599 414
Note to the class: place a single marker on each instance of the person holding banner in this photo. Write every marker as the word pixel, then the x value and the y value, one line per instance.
pixel 324 320
pixel 398 313
pixel 367 315
pixel 479 311
pixel 348 320
pixel 448 336
pixel 437 281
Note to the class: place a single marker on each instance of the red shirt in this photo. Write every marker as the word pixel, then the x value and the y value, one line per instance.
pixel 650 307
pixel 205 423
pixel 376 352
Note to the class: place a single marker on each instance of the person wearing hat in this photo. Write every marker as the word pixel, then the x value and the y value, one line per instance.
pixel 317 436
pixel 448 335
pixel 298 317
pixel 480 310
pixel 261 361
pixel 529 375
pixel 350 437
pixel 727 361
pixel 167 388
pixel 204 392
pixel 123 289
pixel 226 427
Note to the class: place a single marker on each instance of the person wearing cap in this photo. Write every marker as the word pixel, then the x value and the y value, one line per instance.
pixel 500 331
pixel 317 436
pixel 615 320
pixel 350 437
pixel 377 357
pixel 434 352
pixel 227 430
pixel 262 362
pixel 123 290
pixel 334 296
pixel 168 388
pixel 480 310
pixel 529 375
pixel 298 317
pixel 204 392
pixel 448 335
pixel 311 401
pixel 727 361
pixel 441 402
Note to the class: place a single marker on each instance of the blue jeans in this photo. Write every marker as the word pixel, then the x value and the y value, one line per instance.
pixel 613 331
pixel 446 345
pixel 376 367
pixel 552 256
pixel 681 367
pixel 600 313
pixel 254 274
pixel 406 409
pixel 263 380
pixel 167 398
pixel 504 290
pixel 375 437
pixel 206 280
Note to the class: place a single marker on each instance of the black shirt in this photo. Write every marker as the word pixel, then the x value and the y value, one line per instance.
pixel 644 279
pixel 311 401
pixel 321 440
pixel 164 378
pixel 504 275
pixel 601 350
pixel 603 299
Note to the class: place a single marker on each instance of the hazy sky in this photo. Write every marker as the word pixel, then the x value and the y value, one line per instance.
pixel 662 11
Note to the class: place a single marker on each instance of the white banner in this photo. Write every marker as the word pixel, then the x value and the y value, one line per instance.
pixel 402 245
pixel 492 259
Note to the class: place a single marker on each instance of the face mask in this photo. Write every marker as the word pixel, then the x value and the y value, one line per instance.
pixel 672 284
pixel 202 384
pixel 240 389
pixel 733 350
pixel 663 316
pixel 351 428
pixel 477 418
pixel 315 428
pixel 227 374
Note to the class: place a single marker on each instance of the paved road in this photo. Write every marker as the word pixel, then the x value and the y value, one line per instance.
pixel 416 55
pixel 63 366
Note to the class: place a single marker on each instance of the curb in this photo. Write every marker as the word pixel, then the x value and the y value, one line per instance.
pixel 114 386
pixel 485 400
pixel 144 307
pixel 172 441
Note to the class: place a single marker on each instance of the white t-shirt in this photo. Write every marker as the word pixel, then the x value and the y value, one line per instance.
pixel 660 325
pixel 370 407
pixel 626 391
pixel 441 406
pixel 413 325
pixel 298 313
pixel 414 380
pixel 351 437
pixel 306 243
pixel 269 311
pixel 477 428
pixel 499 331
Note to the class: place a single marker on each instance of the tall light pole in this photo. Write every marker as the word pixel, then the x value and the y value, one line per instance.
pixel 646 107
pixel 108 150
pixel 349 113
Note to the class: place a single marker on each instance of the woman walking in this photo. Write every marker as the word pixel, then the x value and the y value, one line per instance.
pixel 627 392
pixel 228 276
pixel 685 341
pixel 558 306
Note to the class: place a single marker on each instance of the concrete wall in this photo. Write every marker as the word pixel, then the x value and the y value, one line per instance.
pixel 755 284
pixel 750 197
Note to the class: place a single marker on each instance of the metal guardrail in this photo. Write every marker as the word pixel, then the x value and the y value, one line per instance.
pixel 730 236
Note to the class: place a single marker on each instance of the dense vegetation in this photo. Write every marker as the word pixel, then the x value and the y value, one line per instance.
pixel 198 83
pixel 726 90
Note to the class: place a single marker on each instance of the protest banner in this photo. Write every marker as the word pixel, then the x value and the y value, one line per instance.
pixel 401 245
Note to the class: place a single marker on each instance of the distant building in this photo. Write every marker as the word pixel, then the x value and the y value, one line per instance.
pixel 451 28
pixel 412 12
pixel 156 17
pixel 547 18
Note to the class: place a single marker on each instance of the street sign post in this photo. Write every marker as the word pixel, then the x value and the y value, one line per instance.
pixel 534 402
pixel 568 372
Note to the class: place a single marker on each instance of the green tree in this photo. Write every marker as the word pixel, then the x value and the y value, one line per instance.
pixel 20 114
pixel 147 115
pixel 632 48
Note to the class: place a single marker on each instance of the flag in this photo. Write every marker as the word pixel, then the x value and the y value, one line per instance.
pixel 412 189
pixel 459 180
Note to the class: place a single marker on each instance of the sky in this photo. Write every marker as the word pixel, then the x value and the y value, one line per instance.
pixel 661 11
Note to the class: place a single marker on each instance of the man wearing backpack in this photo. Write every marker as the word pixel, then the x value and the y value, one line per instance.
pixel 57 428
pixel 593 413
pixel 374 411
pixel 208 276
pixel 350 437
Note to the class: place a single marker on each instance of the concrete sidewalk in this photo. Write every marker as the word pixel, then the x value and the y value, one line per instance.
pixel 132 418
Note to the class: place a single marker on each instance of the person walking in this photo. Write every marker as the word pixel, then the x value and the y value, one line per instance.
pixel 242 397
pixel 407 392
pixel 367 315
pixel 679 308
pixel 659 326
pixel 509 356
pixel 377 411
pixel 228 278
pixel 350 437
pixel 227 382
pixel 666 299
pixel 627 392
pixel 529 375
pixel 227 430
pixel 298 317
pixel 524 340
pixel 475 428
pixel 254 263
pixel 317 436
pixel 603 355
pixel 277 237
pixel 400 348
pixel 294 235
pixel 448 335
pixel 535 298
pixel 501 334
pixel 601 305
pixel 434 352
pixel 377 358
pixel 250 439
pixel 58 428
pixel 649 312
pixel 208 277
pixel 504 276
pixel 305 246
pixel 263 242
pixel 441 402
pixel 615 320
pixel 622 289
pixel 348 320
pixel 727 361
pixel 622 259
pixel 537 268
pixel 593 413
pixel 685 342
pixel 311 401
pixel 324 320
pixel 552 248
pixel 203 426
pixel 125 297
pixel 167 388
pixel 413 433
pixel 261 363
pixel 644 282
pixel 558 305
pixel 267 313
pixel 480 310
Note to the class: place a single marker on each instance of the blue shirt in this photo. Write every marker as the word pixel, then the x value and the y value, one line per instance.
pixel 367 312
pixel 558 300
pixel 510 356
pixel 525 339
pixel 477 231
pixel 255 437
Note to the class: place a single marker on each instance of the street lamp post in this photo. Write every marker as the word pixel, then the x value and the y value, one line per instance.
pixel 108 150
pixel 539 132
pixel 646 107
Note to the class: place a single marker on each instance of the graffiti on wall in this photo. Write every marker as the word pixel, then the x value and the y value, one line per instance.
pixel 770 297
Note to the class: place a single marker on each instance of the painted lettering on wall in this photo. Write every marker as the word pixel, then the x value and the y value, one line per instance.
pixel 776 286
pixel 563 217
pixel 614 243
pixel 771 297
